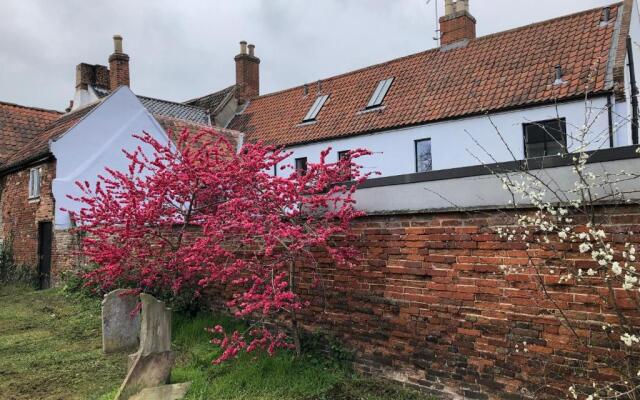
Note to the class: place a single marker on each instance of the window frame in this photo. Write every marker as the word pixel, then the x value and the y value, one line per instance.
pixel 316 107
pixel 563 127
pixel 35 183
pixel 379 92
pixel 304 168
pixel 415 153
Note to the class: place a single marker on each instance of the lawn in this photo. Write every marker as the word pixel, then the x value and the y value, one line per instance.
pixel 50 348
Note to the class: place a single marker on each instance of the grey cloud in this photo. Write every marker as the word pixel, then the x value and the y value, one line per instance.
pixel 182 49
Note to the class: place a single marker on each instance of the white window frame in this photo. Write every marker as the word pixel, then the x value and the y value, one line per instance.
pixel 315 108
pixel 35 181
pixel 380 93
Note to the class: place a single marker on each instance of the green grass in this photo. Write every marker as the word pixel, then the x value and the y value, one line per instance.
pixel 281 377
pixel 50 348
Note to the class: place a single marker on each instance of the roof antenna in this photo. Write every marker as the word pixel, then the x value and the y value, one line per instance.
pixel 437 24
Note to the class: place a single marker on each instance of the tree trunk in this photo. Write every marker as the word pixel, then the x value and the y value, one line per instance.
pixel 294 319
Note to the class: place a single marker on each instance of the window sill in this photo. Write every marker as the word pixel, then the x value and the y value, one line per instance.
pixel 32 200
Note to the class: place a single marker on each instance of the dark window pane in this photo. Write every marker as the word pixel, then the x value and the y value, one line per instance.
pixel 423 155
pixel 545 138
pixel 341 156
pixel 535 150
pixel 301 165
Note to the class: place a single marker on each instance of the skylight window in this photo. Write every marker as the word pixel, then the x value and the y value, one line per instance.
pixel 315 108
pixel 380 93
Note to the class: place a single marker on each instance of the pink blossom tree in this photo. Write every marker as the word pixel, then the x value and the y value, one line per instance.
pixel 197 215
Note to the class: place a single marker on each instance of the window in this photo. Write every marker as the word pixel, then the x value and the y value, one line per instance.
pixel 341 156
pixel 34 183
pixel 545 138
pixel 315 108
pixel 423 155
pixel 380 93
pixel 301 165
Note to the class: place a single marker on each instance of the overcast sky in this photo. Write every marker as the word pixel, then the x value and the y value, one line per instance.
pixel 183 49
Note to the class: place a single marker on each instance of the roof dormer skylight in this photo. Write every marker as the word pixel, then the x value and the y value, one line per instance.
pixel 315 108
pixel 380 93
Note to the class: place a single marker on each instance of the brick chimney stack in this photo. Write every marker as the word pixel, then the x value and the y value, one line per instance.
pixel 118 65
pixel 247 73
pixel 457 24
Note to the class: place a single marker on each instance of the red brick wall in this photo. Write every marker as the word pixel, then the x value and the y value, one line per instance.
pixel 20 217
pixel 455 27
pixel 118 70
pixel 430 306
pixel 247 77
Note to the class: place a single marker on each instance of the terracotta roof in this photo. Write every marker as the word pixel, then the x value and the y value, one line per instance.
pixel 20 124
pixel 505 70
pixel 38 146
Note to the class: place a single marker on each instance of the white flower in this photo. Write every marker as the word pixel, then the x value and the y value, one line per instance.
pixel 584 247
pixel 629 340
pixel 615 267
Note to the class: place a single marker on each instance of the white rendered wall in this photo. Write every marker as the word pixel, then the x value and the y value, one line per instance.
pixel 452 142
pixel 96 142
pixel 482 191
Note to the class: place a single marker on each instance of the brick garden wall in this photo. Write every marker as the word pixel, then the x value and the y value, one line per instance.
pixel 430 306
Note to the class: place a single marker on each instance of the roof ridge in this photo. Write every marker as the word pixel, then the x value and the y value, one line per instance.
pixel 209 94
pixel 420 53
pixel 170 101
pixel 548 21
pixel 7 103
pixel 187 121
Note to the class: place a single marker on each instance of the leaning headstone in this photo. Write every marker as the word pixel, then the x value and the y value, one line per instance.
pixel 120 326
pixel 176 391
pixel 151 364
pixel 155 329
pixel 148 371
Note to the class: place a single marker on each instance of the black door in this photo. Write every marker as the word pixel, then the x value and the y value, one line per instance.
pixel 44 255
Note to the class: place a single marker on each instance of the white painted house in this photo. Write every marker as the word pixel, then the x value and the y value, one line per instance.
pixel 525 93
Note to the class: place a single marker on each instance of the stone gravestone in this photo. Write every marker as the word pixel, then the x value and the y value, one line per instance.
pixel 120 329
pixel 151 365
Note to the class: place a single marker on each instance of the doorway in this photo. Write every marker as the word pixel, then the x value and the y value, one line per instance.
pixel 44 254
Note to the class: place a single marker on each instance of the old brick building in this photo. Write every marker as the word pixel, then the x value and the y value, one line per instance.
pixel 41 150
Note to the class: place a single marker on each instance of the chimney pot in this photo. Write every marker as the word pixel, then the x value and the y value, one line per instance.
pixel 448 7
pixel 243 47
pixel 251 49
pixel 117 44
